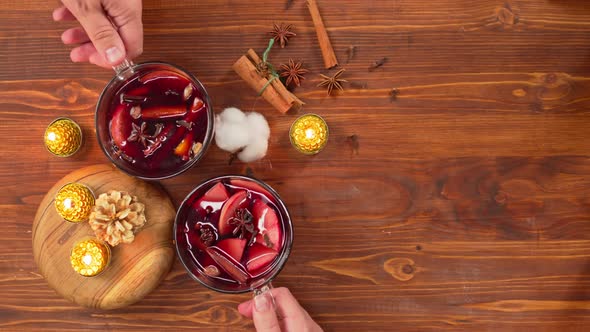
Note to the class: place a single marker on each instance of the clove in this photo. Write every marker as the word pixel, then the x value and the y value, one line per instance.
pixel 185 124
pixel 249 172
pixel 393 95
pixel 377 63
pixel 120 154
pixel 232 158
pixel 353 140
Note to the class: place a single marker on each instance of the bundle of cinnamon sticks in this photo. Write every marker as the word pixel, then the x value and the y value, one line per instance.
pixel 269 87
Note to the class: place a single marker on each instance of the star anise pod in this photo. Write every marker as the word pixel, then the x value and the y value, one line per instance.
pixel 282 33
pixel 263 69
pixel 293 72
pixel 242 220
pixel 333 82
pixel 139 134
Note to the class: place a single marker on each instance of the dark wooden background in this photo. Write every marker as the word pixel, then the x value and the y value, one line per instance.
pixel 462 204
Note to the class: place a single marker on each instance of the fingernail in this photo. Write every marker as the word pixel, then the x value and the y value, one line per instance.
pixel 114 55
pixel 261 303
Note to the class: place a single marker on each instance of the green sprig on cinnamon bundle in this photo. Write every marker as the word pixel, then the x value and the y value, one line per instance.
pixel 260 74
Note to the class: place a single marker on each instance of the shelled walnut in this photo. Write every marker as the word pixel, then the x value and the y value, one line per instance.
pixel 117 217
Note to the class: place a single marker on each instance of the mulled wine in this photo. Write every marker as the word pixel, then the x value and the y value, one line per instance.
pixel 233 233
pixel 155 123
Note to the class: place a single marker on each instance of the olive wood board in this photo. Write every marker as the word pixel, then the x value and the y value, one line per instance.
pixel 135 269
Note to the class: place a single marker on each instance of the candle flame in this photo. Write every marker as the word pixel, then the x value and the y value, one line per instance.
pixel 309 133
pixel 51 136
pixel 68 203
pixel 87 259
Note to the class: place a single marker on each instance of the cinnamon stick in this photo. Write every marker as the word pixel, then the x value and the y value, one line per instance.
pixel 275 92
pixel 328 54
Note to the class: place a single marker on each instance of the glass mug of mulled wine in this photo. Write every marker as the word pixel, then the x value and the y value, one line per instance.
pixel 233 234
pixel 154 120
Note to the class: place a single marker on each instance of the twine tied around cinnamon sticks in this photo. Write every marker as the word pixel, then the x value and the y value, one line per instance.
pixel 262 77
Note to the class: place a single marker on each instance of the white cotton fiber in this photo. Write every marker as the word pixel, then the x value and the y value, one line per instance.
pixel 254 151
pixel 230 136
pixel 232 115
pixel 258 125
pixel 235 131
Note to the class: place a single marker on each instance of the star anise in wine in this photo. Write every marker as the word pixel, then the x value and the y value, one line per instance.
pixel 242 220
pixel 139 134
pixel 282 33
pixel 293 72
pixel 333 82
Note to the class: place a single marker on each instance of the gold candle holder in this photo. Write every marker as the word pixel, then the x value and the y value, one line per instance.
pixel 74 202
pixel 309 134
pixel 90 257
pixel 63 137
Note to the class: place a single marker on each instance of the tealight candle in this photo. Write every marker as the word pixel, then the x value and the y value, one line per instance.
pixel 90 257
pixel 63 137
pixel 74 202
pixel 309 134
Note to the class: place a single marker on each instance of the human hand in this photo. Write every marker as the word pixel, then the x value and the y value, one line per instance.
pixel 293 318
pixel 110 31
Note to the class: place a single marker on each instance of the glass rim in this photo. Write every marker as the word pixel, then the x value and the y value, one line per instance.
pixel 285 252
pixel 208 135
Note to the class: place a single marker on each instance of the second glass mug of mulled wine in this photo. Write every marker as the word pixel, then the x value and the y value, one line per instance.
pixel 154 120
pixel 233 234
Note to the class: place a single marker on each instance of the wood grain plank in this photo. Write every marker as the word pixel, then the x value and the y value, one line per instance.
pixel 461 204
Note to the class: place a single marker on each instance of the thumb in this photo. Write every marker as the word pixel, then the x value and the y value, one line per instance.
pixel 126 15
pixel 264 315
pixel 100 30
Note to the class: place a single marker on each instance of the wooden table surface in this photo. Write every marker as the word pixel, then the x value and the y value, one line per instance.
pixel 461 204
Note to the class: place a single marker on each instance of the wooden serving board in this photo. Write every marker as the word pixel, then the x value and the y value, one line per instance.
pixel 135 269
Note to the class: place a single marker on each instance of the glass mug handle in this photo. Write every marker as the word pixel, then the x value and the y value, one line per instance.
pixel 265 289
pixel 124 69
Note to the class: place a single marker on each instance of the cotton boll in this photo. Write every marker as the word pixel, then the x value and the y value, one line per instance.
pixel 235 131
pixel 232 115
pixel 258 126
pixel 231 136
pixel 254 151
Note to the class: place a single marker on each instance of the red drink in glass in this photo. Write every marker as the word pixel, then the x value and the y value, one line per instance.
pixel 233 234
pixel 156 122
